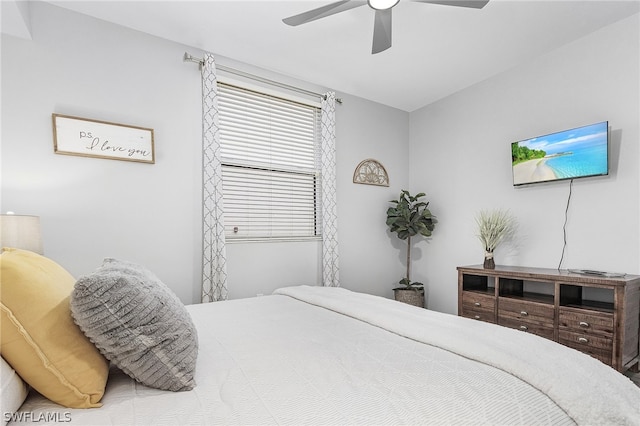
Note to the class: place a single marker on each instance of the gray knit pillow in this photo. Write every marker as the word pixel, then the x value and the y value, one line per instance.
pixel 137 323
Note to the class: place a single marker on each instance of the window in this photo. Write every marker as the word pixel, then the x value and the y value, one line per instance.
pixel 270 165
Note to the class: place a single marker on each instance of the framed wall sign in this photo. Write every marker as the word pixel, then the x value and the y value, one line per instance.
pixel 101 139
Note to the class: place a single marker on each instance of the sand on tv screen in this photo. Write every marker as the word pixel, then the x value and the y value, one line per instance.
pixel 569 154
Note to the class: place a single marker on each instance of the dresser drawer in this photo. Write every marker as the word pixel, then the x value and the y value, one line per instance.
pixel 532 317
pixel 539 313
pixel 478 306
pixel 598 347
pixel 543 330
pixel 586 323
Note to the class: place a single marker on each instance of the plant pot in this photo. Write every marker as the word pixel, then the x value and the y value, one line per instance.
pixel 410 297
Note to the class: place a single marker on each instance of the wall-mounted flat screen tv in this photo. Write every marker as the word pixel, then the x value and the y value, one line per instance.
pixel 574 153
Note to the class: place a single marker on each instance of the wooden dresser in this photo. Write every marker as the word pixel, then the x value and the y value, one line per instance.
pixel 594 314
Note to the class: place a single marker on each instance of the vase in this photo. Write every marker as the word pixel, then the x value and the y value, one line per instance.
pixel 489 263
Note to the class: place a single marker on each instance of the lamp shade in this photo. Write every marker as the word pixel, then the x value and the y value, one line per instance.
pixel 20 231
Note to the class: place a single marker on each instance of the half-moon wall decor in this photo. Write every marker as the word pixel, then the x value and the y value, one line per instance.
pixel 371 172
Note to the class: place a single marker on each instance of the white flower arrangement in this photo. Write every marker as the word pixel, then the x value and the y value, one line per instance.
pixel 494 226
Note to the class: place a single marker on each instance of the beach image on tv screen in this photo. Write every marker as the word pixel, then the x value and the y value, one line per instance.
pixel 564 155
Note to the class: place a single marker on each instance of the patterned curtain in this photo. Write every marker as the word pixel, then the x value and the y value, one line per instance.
pixel 214 257
pixel 330 276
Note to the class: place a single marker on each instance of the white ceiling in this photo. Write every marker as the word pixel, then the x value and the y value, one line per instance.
pixel 437 50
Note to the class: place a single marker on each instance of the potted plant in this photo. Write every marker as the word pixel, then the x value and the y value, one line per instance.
pixel 494 226
pixel 408 217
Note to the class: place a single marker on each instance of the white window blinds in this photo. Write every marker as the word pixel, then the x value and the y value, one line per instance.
pixel 270 166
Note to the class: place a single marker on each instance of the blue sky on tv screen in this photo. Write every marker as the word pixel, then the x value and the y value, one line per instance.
pixel 570 140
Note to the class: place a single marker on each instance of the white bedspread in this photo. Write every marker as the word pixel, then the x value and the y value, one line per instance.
pixel 284 359
pixel 588 390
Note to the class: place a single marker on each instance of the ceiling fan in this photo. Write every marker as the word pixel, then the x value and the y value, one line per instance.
pixel 382 21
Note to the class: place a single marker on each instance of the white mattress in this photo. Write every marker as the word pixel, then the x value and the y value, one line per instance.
pixel 279 360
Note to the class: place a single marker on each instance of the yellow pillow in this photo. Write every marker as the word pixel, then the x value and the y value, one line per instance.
pixel 39 338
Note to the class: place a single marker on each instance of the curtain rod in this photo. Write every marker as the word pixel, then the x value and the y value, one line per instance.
pixel 189 58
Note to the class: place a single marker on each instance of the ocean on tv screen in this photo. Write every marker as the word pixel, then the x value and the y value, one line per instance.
pixel 584 162
pixel 563 155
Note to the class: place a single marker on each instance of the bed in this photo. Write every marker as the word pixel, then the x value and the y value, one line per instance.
pixel 319 355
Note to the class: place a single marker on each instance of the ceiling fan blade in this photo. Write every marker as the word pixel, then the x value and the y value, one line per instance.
pixel 381 31
pixel 322 12
pixel 476 4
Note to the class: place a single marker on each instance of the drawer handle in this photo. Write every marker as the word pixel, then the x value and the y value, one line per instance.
pixel 478 304
pixel 584 324
pixel 524 327
pixel 583 340
pixel 524 313
pixel 477 316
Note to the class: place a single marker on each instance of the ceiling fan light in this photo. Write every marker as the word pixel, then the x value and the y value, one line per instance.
pixel 382 4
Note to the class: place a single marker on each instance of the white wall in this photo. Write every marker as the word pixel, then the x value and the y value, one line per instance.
pixel 95 208
pixel 460 156
pixel 370 257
